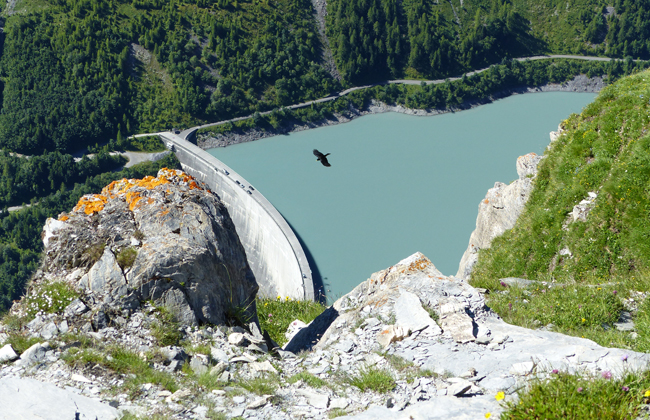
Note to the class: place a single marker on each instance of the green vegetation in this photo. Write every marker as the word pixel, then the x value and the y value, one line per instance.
pixel 495 81
pixel 311 380
pixel 275 315
pixel 373 379
pixel 20 231
pixel 137 371
pixel 19 342
pixel 386 39
pixel 126 257
pixel 166 328
pixel 604 150
pixel 336 412
pixel 407 369
pixel 565 396
pixel 49 298
pixel 23 179
pixel 265 384
pixel 149 144
pixel 90 70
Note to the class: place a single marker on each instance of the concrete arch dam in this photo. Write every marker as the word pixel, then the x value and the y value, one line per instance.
pixel 272 248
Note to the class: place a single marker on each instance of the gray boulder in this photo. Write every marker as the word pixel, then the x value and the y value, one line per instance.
pixel 34 354
pixel 187 258
pixel 29 399
pixel 499 211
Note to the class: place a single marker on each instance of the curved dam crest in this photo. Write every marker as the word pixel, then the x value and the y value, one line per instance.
pixel 274 252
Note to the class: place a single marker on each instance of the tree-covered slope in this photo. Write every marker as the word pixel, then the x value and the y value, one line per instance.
pixel 82 71
pixel 78 72
pixel 440 38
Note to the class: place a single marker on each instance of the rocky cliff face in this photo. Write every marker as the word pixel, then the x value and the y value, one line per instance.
pixel 166 239
pixel 499 211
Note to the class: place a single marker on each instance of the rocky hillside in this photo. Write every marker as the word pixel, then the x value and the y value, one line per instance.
pixel 406 343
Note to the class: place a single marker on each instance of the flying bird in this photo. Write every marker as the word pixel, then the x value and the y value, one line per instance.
pixel 322 158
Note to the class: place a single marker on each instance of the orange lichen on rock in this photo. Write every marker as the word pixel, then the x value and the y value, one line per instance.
pixel 91 203
pixel 63 218
pixel 419 264
pixel 132 198
pixel 486 201
pixel 124 188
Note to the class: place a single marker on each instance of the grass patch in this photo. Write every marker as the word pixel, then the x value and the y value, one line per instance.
pixel 208 382
pixel 20 342
pixel 311 380
pixel 126 257
pixel 166 329
pixel 336 412
pixel 92 254
pixel 275 315
pixel 398 363
pixel 566 396
pixel 262 385
pixel 214 415
pixel 49 298
pixel 407 369
pixel 119 360
pixel 603 150
pixel 373 379
pixel 573 307
pixel 432 313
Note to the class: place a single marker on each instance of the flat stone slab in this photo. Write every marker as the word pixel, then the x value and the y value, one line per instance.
pixel 410 314
pixel 29 399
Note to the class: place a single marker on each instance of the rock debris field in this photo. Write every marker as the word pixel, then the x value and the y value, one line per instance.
pixel 451 368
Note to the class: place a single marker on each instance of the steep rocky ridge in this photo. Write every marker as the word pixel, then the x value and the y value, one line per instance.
pixel 499 211
pixel 166 239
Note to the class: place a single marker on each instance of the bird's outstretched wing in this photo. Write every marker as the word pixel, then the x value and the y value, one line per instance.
pixel 321 157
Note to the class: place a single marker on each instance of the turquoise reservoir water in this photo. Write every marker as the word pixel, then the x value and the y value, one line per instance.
pixel 398 183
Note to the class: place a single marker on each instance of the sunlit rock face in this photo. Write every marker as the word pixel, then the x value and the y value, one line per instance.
pixel 166 239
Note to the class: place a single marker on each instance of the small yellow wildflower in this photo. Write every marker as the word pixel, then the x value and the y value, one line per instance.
pixel 500 395
pixel 583 320
pixel 647 393
pixel 488 415
pixel 600 288
pixel 279 297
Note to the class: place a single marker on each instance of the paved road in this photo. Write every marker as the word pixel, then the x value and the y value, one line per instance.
pixel 186 134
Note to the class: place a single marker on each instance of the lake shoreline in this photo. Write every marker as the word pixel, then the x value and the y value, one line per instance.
pixel 579 84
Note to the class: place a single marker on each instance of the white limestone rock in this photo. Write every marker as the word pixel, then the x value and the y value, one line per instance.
pixel 499 211
pixel 7 354
pixel 411 315
pixel 26 398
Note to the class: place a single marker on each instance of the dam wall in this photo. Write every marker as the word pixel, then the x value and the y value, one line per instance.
pixel 272 248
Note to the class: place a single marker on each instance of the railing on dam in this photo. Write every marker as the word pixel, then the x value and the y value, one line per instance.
pixel 272 248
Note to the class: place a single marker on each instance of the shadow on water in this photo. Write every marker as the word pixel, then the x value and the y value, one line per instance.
pixel 319 287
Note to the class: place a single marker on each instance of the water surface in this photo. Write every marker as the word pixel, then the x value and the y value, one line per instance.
pixel 398 183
